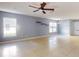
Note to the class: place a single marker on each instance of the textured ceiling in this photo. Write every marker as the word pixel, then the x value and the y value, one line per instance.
pixel 63 10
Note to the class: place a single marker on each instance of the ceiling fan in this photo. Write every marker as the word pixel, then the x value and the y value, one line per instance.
pixel 42 7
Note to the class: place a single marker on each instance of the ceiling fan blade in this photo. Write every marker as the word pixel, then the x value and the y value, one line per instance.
pixel 36 10
pixel 33 6
pixel 48 9
pixel 44 12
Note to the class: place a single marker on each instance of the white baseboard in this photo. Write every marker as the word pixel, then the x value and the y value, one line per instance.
pixel 24 39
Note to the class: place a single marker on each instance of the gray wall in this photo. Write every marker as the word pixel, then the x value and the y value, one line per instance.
pixel 72 28
pixel 27 26
pixel 64 27
pixel 1 29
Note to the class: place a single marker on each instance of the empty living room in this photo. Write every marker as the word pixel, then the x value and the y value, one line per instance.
pixel 39 29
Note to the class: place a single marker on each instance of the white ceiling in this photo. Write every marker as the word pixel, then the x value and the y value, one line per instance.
pixel 63 10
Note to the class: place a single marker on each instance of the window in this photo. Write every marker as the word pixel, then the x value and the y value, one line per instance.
pixel 52 27
pixel 9 25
